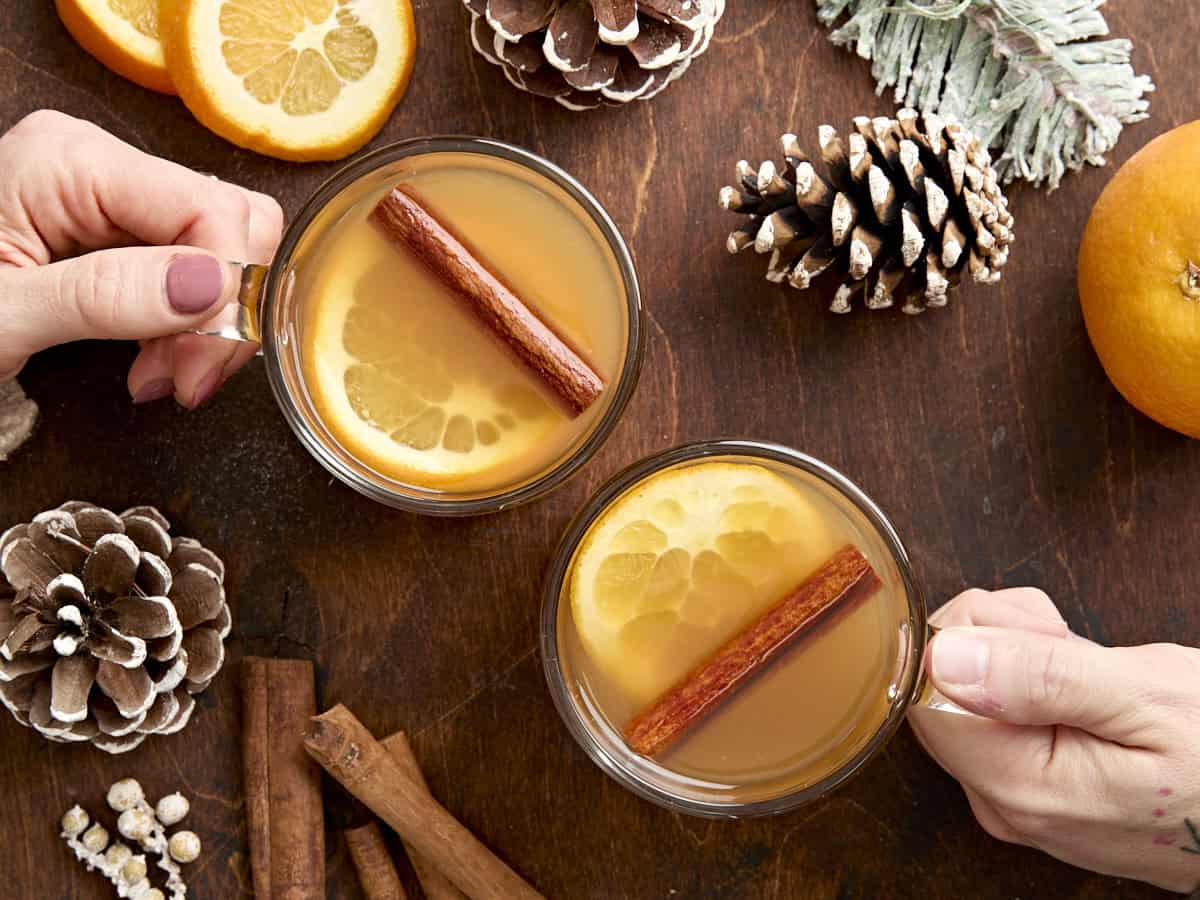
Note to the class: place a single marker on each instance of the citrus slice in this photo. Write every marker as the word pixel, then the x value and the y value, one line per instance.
pixel 295 79
pixel 683 562
pixel 123 35
pixel 427 399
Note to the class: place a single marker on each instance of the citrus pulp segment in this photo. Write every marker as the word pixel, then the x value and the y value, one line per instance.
pixel 123 35
pixel 296 79
pixel 684 561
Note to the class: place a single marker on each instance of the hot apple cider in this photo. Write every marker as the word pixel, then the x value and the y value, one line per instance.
pixel 404 374
pixel 737 625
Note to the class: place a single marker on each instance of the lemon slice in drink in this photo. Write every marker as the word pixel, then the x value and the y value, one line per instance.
pixel 684 561
pixel 295 79
pixel 121 34
pixel 418 394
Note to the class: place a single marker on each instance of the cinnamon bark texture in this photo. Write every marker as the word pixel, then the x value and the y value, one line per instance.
pixel 376 872
pixel 404 219
pixel 846 574
pixel 348 752
pixel 284 817
pixel 436 885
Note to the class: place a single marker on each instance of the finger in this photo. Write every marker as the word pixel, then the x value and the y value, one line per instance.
pixel 1027 678
pixel 91 189
pixel 264 229
pixel 969 607
pixel 130 293
pixel 1033 600
pixel 245 352
pixel 151 377
pixel 200 365
pixel 1023 608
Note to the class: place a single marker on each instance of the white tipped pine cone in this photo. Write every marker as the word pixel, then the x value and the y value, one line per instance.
pixel 584 53
pixel 108 625
pixel 906 207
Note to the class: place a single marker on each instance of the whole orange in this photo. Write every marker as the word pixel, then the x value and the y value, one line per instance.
pixel 1139 279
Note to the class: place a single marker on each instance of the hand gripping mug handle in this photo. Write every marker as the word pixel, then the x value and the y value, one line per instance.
pixel 238 320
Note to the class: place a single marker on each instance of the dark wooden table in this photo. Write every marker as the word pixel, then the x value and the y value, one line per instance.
pixel 987 431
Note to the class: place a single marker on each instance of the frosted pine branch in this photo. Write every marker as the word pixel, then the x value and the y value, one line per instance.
pixel 1028 76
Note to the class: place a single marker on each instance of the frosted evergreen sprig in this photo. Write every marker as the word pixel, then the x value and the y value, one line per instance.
pixel 1028 77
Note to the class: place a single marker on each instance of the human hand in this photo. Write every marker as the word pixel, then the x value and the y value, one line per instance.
pixel 1087 752
pixel 76 206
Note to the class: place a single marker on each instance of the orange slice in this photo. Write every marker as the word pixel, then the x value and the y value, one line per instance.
pixel 685 560
pixel 123 35
pixel 386 385
pixel 296 79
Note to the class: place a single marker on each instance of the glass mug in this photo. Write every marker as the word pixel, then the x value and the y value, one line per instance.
pixel 580 702
pixel 269 310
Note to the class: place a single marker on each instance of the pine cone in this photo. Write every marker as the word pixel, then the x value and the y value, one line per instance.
pixel 18 415
pixel 111 625
pixel 587 52
pixel 909 204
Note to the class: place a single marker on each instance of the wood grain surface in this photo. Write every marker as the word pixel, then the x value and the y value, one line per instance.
pixel 987 431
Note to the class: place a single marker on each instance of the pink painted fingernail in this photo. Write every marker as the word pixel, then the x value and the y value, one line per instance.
pixel 154 390
pixel 206 388
pixel 194 283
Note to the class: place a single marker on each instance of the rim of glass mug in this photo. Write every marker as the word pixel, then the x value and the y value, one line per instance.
pixel 264 290
pixel 632 771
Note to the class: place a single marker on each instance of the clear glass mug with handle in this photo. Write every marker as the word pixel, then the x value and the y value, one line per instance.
pixel 584 701
pixel 269 310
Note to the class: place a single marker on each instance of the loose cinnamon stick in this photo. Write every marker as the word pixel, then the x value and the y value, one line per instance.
pixel 404 219
pixel 666 720
pixel 348 752
pixel 376 873
pixel 282 786
pixel 436 885
pixel 256 768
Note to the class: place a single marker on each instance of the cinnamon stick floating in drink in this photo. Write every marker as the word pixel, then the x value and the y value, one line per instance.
pixel 284 816
pixel 846 573
pixel 348 752
pixel 435 885
pixel 405 220
pixel 376 872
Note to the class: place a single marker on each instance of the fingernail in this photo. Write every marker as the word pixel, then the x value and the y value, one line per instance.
pixel 154 390
pixel 207 387
pixel 959 658
pixel 194 283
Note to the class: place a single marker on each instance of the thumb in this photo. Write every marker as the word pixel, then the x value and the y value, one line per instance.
pixel 129 293
pixel 1027 678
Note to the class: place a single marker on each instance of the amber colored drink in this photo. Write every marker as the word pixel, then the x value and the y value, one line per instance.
pixel 693 563
pixel 401 374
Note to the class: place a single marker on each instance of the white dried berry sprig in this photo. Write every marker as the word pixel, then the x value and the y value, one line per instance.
pixel 143 826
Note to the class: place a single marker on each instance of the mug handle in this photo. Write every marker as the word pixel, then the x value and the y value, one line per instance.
pixel 928 696
pixel 239 319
